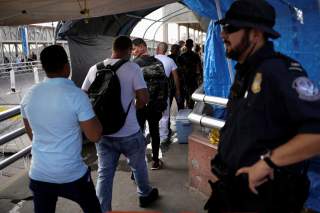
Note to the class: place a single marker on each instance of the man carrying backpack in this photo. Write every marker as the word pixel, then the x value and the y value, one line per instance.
pixel 157 82
pixel 101 84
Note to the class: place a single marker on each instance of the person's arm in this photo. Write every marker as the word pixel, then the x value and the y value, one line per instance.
pixel 28 128
pixel 142 97
pixel 299 148
pixel 176 81
pixel 92 129
pixel 89 79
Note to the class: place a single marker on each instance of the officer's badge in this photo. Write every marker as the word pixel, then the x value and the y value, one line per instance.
pixel 306 89
pixel 256 85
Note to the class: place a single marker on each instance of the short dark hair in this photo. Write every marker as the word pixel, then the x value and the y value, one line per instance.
pixel 122 43
pixel 189 43
pixel 175 47
pixel 139 41
pixel 53 58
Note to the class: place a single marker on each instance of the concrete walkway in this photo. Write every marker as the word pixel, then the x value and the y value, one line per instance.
pixel 172 181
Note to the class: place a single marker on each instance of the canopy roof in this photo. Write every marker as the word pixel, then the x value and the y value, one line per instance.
pixel 20 12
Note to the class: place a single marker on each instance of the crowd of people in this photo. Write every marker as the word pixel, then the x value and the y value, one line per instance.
pixel 272 120
pixel 55 126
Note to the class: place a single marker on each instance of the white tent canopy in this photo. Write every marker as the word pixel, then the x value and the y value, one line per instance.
pixel 20 12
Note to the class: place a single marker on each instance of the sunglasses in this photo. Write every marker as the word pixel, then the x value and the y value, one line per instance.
pixel 230 29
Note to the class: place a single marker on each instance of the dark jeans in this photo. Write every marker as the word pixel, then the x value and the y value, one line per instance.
pixel 191 87
pixel 81 191
pixel 153 118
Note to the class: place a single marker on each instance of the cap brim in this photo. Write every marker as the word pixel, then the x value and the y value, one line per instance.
pixel 239 23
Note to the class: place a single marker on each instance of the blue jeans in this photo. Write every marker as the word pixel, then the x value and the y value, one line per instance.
pixel 109 150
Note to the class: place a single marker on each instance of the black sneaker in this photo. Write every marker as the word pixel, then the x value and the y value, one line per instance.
pixel 146 201
pixel 156 165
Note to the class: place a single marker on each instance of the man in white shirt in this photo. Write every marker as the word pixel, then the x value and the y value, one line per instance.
pixel 129 139
pixel 170 68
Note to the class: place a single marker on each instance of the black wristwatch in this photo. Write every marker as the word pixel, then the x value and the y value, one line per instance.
pixel 267 158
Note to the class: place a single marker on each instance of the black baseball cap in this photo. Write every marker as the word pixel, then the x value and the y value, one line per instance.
pixel 257 14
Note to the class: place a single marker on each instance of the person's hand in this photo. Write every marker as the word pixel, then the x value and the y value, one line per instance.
pixel 258 174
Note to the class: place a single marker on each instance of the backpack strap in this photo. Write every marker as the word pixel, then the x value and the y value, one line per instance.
pixel 114 68
pixel 128 109
pixel 118 64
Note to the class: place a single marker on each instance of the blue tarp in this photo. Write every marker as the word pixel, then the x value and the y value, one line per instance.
pixel 298 22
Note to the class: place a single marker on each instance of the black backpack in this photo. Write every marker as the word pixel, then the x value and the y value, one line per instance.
pixel 105 96
pixel 157 82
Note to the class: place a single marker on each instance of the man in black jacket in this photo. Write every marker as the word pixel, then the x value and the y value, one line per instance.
pixel 273 121
pixel 157 83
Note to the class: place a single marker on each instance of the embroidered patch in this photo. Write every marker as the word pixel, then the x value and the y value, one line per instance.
pixel 256 85
pixel 306 89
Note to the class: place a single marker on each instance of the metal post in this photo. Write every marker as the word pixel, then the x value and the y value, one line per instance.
pixel 179 32
pixel 188 34
pixel 2 53
pixel 36 75
pixel 165 32
pixel 12 80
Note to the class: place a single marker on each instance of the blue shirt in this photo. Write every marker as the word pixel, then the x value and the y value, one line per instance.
pixel 54 109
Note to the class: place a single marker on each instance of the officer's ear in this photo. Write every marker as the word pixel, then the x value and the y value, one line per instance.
pixel 256 35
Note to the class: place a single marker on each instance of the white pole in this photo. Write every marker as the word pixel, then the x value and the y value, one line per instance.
pixel 36 75
pixel 219 13
pixel 12 80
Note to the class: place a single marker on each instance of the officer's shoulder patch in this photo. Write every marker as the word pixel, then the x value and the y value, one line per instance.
pixel 295 66
pixel 306 89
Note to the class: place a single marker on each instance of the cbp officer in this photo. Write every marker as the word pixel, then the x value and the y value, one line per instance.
pixel 273 119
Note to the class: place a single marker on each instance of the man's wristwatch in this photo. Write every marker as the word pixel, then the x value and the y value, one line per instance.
pixel 267 158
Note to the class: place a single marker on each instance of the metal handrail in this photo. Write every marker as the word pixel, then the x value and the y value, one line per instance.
pixel 15 157
pixel 9 113
pixel 203 120
pixel 210 99
pixel 12 135
pixel 206 121
pixel 19 68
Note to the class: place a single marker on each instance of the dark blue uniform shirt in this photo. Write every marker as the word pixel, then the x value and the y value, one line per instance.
pixel 271 101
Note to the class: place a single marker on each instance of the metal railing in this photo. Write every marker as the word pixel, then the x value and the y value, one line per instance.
pixel 20 67
pixel 204 120
pixel 10 70
pixel 9 113
pixel 13 158
pixel 12 135
pixel 210 99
